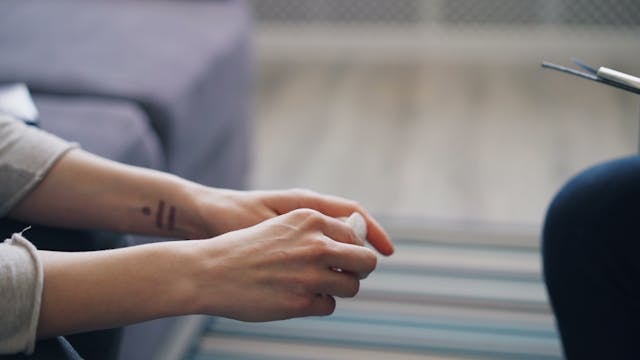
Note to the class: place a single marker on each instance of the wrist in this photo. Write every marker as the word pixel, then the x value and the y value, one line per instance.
pixel 194 290
pixel 211 206
pixel 180 263
pixel 192 219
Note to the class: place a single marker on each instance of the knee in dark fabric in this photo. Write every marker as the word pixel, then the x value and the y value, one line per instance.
pixel 590 241
pixel 596 212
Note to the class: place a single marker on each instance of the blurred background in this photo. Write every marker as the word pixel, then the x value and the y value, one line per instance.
pixel 437 116
pixel 434 114
pixel 440 109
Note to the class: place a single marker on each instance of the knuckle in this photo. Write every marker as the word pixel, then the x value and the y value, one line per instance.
pixel 308 281
pixel 323 304
pixel 371 260
pixel 353 289
pixel 313 281
pixel 310 219
pixel 300 213
pixel 322 248
pixel 300 304
pixel 305 214
pixel 330 306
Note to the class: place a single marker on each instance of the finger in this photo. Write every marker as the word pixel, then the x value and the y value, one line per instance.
pixel 334 206
pixel 329 205
pixel 341 284
pixel 377 237
pixel 339 230
pixel 322 304
pixel 349 258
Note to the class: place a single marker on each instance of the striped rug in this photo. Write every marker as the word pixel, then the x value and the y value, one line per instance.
pixel 451 291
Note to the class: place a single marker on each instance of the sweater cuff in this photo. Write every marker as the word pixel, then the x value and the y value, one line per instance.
pixel 21 286
pixel 26 155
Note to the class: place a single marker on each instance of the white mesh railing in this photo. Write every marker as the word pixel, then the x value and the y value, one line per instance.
pixel 600 30
pixel 625 13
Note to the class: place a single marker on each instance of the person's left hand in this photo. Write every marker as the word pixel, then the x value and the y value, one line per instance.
pixel 228 210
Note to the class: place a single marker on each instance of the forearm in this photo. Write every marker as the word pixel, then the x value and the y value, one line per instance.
pixel 95 290
pixel 278 269
pixel 85 191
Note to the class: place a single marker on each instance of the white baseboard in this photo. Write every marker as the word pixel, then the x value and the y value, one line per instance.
pixel 460 44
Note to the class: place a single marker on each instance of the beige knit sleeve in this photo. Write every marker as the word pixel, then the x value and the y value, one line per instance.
pixel 21 279
pixel 26 154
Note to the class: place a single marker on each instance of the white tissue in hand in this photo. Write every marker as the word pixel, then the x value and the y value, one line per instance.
pixel 359 226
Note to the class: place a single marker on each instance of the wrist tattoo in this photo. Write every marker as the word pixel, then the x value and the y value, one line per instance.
pixel 162 221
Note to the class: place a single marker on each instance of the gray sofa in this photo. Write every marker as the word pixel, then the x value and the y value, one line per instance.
pixel 160 84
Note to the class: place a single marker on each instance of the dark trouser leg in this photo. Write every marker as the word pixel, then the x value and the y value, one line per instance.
pixel 55 348
pixel 591 259
pixel 102 344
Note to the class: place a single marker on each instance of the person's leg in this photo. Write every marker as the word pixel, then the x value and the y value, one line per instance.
pixel 58 239
pixel 591 239
pixel 103 344
pixel 54 348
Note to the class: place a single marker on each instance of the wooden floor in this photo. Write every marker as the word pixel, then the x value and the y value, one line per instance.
pixel 436 140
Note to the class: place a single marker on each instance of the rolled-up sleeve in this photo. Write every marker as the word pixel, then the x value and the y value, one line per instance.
pixel 26 154
pixel 21 281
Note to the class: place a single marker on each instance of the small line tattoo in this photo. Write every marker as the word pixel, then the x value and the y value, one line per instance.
pixel 146 211
pixel 160 214
pixel 172 217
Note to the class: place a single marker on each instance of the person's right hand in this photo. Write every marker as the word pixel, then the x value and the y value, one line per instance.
pixel 284 267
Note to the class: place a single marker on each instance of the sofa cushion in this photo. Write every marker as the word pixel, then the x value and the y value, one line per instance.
pixel 115 129
pixel 184 62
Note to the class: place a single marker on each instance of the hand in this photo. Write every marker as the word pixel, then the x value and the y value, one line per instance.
pixel 281 268
pixel 229 210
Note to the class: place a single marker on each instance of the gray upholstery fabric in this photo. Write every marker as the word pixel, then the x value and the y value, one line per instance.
pixel 184 62
pixel 115 129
